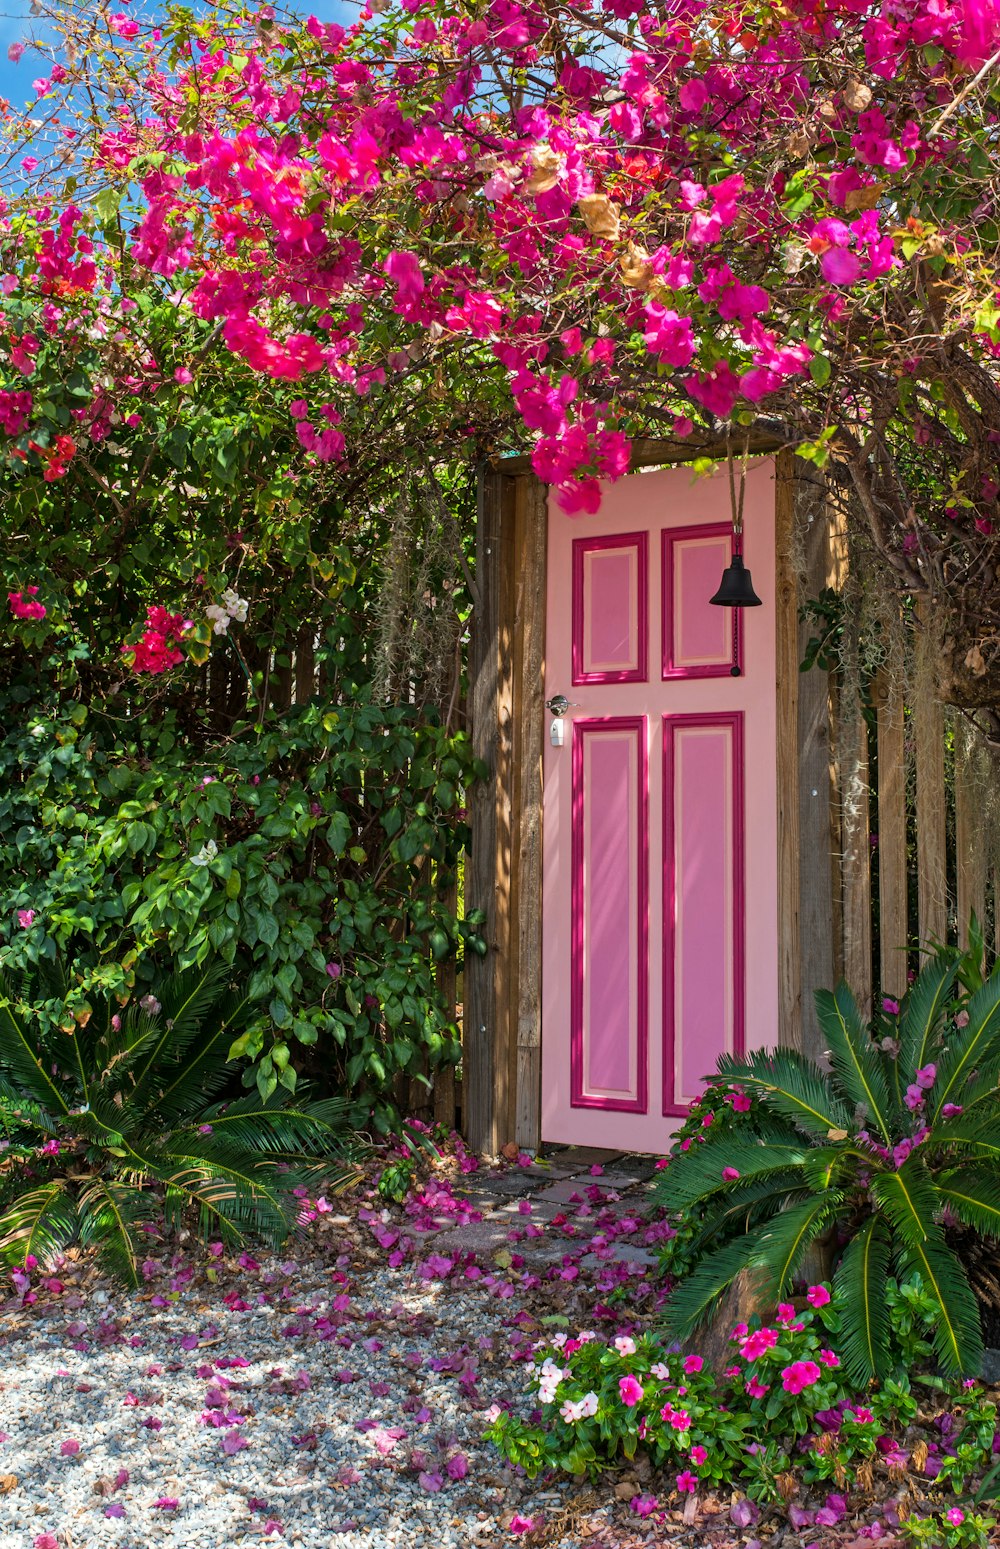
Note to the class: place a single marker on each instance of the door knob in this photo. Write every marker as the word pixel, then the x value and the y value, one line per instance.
pixel 559 704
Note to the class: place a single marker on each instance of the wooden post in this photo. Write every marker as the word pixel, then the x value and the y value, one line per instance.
pixel 488 875
pixel 816 875
pixel 852 741
pixel 531 530
pixel 444 1076
pixel 894 936
pixel 786 602
pixel 970 852
pixel 932 846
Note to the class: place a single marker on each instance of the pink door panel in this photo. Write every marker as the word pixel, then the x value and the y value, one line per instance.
pixel 660 807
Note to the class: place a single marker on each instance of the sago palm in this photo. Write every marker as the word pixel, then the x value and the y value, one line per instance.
pixel 869 1160
pixel 117 1126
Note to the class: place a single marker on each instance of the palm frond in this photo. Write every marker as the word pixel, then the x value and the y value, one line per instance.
pixel 112 1216
pixel 971 1047
pixel 789 1085
pixel 20 1058
pixel 747 1204
pixel 305 1129
pixel 973 1193
pixel 859 1280
pixel 199 1077
pixel 975 1136
pixel 782 1246
pixel 857 1063
pixel 956 1334
pixel 909 1200
pixel 185 1000
pixel 689 1306
pixel 697 1174
pixel 40 1222
pixel 920 1019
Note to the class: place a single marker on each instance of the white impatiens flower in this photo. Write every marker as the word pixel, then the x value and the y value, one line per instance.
pixel 206 854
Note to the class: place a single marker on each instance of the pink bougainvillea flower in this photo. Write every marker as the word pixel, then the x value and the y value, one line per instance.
pixel 643 1505
pixel 518 1525
pixel 891 1007
pixel 23 604
pixel 631 1391
pixel 730 1174
pixel 70 1448
pixel 25 918
pixel 46 1541
pixel 166 1503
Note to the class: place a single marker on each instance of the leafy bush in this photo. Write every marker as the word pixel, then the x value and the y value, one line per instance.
pixel 866 1162
pixel 114 1122
pixel 309 855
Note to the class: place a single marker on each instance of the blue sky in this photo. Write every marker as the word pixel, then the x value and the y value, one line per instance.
pixel 17 25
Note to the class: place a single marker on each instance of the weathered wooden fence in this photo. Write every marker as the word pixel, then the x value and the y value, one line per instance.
pixel 896 827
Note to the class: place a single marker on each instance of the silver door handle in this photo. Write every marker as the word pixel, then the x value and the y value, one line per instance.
pixel 559 704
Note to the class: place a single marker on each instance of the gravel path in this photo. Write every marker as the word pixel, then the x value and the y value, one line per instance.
pixel 335 1400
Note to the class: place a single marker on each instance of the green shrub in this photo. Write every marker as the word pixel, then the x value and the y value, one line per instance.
pixel 309 854
pixel 866 1161
pixel 116 1122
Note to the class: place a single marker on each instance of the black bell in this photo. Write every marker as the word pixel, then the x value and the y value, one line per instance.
pixel 736 587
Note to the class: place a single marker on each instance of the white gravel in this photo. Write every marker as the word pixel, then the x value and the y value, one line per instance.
pixel 313 1471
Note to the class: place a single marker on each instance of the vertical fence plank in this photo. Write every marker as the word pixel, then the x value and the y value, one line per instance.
pixel 855 822
pixel 932 844
pixel 970 851
pixel 485 1046
pixel 531 528
pixel 893 934
pixel 305 665
pixel 447 977
pixel 786 601
pixel 816 877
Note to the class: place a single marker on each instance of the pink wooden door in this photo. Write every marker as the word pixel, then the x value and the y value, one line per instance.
pixel 660 940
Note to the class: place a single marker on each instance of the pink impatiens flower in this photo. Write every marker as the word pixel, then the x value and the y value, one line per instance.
pixel 631 1391
pixel 687 1482
pixel 799 1375
pixel 817 1296
pixel 762 1340
pixel 692 1364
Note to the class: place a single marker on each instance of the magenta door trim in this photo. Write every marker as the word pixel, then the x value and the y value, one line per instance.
pixel 639 541
pixel 672 724
pixel 671 537
pixel 579 1097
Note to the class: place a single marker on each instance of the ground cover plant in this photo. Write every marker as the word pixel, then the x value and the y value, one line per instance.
pixel 117 1124
pixel 862 1165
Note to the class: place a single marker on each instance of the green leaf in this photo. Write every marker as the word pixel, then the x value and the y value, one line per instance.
pixel 857 1063
pixel 970 1047
pixel 791 1085
pixel 860 1280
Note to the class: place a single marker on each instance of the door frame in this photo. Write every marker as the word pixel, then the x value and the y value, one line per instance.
pixel 501 1063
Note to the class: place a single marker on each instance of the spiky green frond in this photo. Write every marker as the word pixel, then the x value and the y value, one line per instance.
pixel 970 1047
pixel 791 1086
pixel 41 1221
pixel 698 1174
pixel 306 1129
pixel 956 1333
pixel 921 1015
pixel 973 1193
pixel 782 1245
pixel 858 1065
pixel 860 1279
pixel 975 1136
pixel 909 1200
pixel 203 1073
pixel 185 1000
pixel 980 1093
pixel 21 1059
pixel 112 1216
pixel 693 1301
pixel 920 1020
pixel 247 1198
pixel 747 1204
